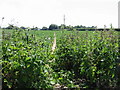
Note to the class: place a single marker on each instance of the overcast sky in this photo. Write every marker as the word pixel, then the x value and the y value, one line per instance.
pixel 40 13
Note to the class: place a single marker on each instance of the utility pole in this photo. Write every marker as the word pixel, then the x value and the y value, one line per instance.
pixel 2 22
pixel 64 19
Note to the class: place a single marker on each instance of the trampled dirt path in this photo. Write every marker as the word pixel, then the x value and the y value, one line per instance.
pixel 54 43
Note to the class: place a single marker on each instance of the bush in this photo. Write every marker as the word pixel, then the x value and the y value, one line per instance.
pixel 92 59
pixel 24 61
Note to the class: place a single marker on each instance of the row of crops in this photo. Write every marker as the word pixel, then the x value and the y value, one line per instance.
pixel 79 60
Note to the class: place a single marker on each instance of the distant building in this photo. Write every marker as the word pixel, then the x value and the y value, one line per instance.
pixel 119 14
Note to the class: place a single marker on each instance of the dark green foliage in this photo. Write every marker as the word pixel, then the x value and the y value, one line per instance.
pixel 11 26
pixel 44 28
pixel 93 59
pixel 24 61
pixel 87 60
pixel 53 27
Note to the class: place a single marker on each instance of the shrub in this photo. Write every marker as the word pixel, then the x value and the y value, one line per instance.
pixel 92 59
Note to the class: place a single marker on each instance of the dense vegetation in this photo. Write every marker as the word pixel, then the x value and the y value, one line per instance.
pixel 51 27
pixel 81 59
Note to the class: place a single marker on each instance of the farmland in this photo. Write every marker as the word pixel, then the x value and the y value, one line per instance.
pixel 82 59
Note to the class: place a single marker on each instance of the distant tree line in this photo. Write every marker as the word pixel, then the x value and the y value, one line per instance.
pixel 62 26
pixel 57 27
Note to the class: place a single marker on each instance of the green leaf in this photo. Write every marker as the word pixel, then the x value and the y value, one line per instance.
pixel 52 82
pixel 28 58
pixel 60 78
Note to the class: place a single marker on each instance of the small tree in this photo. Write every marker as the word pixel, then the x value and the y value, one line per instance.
pixel 44 28
pixel 34 28
pixel 53 26
pixel 22 27
pixel 11 26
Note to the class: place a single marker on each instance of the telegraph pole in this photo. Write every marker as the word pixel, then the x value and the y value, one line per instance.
pixel 2 22
pixel 63 24
pixel 64 19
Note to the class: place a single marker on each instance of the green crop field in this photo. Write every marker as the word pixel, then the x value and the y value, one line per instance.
pixel 81 59
pixel 49 33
